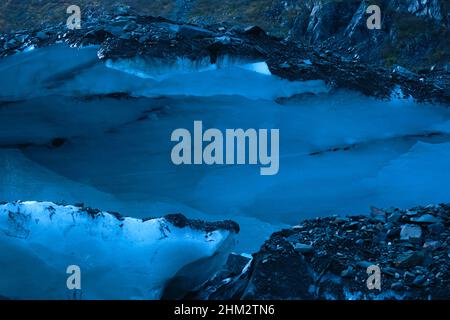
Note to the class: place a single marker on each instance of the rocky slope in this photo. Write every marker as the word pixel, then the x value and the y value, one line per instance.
pixel 414 33
pixel 327 258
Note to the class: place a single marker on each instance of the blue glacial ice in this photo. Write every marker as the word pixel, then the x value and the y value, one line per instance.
pixel 340 151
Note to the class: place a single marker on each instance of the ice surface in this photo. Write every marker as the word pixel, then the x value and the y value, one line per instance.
pixel 340 152
pixel 73 71
pixel 424 172
pixel 25 179
pixel 119 259
pixel 158 69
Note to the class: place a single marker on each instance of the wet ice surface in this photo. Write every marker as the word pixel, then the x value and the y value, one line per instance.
pixel 340 152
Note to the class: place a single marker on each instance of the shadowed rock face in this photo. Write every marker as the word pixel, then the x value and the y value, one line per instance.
pixel 328 258
pixel 129 36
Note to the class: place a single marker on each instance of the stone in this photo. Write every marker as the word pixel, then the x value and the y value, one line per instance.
pixel 378 214
pixel 403 72
pixel 393 233
pixel 12 42
pixel 397 286
pixel 409 231
pixel 426 218
pixel 235 264
pixel 192 32
pixel 390 271
pixel 408 276
pixel 365 264
pixel 255 31
pixel 433 245
pixel 303 248
pixel 130 27
pixel 125 36
pixel 410 259
pixel 419 280
pixel 354 225
pixel 436 228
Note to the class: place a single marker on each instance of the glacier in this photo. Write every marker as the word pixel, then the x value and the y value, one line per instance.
pixel 119 257
pixel 76 129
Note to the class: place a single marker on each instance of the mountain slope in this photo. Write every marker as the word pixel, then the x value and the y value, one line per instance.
pixel 414 33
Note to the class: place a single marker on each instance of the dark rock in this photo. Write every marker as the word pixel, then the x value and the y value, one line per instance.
pixel 436 228
pixel 181 221
pixel 393 233
pixel 255 31
pixel 432 245
pixel 378 214
pixel 410 259
pixel 97 36
pixel 397 286
pixel 390 271
pixel 192 32
pixel 364 264
pixel 228 284
pixel 409 277
pixel 427 218
pixel 404 72
pixel 12 43
pixel 285 278
pixel 130 27
pixel 303 248
pixel 394 217
pixel 409 231
pixel 236 263
pixel 125 36
pixel 354 225
pixel 419 281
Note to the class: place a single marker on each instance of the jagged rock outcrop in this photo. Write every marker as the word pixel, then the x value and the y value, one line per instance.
pixel 413 33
